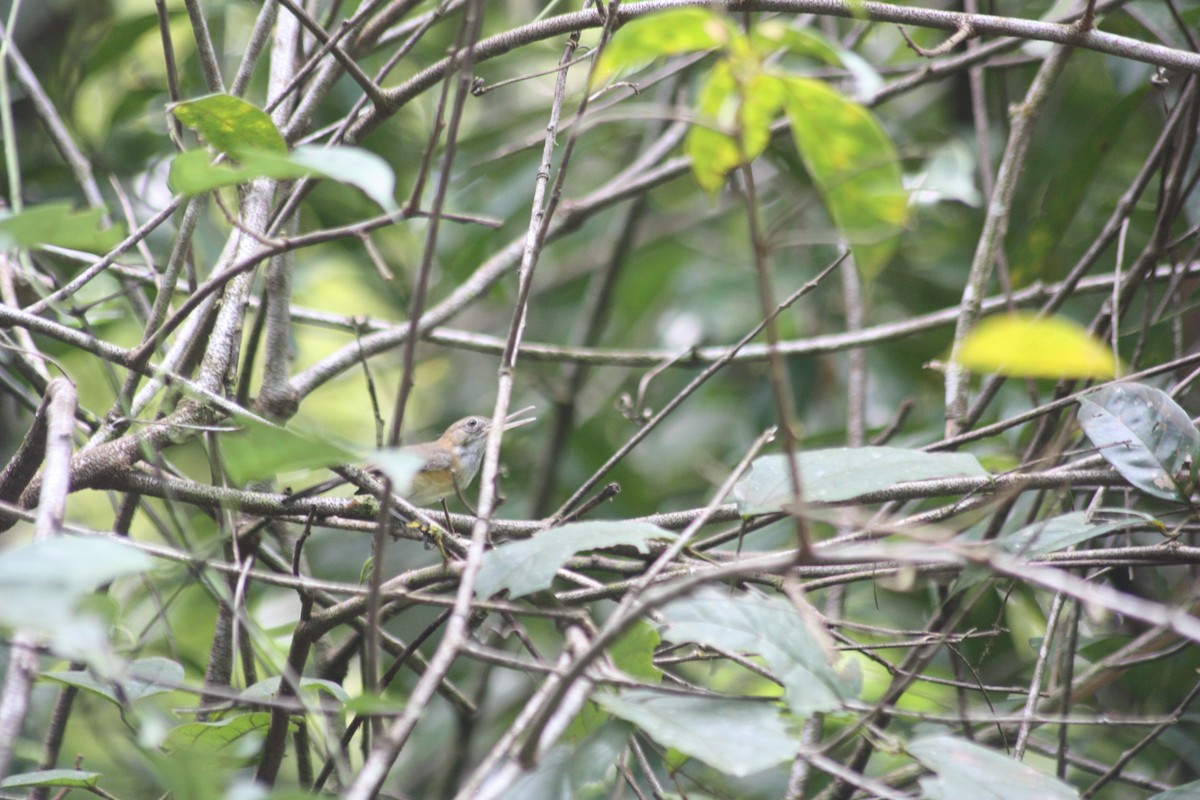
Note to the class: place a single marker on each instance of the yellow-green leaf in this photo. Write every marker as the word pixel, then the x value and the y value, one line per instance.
pixel 1036 347
pixel 230 124
pixel 854 166
pixel 57 224
pixel 728 111
pixel 684 30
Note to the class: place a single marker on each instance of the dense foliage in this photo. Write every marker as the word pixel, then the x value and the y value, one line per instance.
pixel 860 338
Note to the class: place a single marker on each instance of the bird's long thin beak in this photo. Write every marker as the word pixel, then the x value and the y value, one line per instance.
pixel 512 421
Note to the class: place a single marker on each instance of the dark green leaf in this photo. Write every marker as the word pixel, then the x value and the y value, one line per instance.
pixel 529 566
pixel 844 473
pixel 965 769
pixel 1076 173
pixel 797 651
pixel 737 737
pixel 1144 434
pixel 56 224
pixel 230 124
pixel 120 38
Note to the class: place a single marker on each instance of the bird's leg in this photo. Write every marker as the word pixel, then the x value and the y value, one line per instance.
pixel 437 534
pixel 458 491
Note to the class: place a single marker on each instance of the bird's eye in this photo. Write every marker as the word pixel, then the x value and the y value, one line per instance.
pixel 472 423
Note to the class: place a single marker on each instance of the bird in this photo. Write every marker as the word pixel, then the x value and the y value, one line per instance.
pixel 450 462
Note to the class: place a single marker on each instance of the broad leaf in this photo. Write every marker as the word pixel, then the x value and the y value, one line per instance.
pixel 72 778
pixel 41 582
pixel 633 653
pixel 737 737
pixel 734 123
pixel 843 473
pixel 58 225
pixel 965 769
pixel 269 687
pixel 1059 533
pixel 855 167
pixel 567 771
pixel 193 171
pixel 1036 347
pixel 1072 180
pixel 230 124
pixel 529 566
pixel 1144 434
pixel 217 735
pixel 774 34
pixel 354 166
pixel 261 451
pixel 814 675
pixel 642 40
pixel 1188 791
pixel 142 678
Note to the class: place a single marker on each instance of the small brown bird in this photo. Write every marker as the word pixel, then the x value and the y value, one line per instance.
pixel 452 460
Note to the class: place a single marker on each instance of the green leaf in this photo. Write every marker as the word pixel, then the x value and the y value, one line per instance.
pixel 729 111
pixel 1145 435
pixel 260 451
pixel 374 704
pixel 737 737
pixel 1188 791
pixel 354 166
pixel 142 678
pixel 529 566
pixel 73 778
pixel 965 769
pixel 212 736
pixel 633 652
pixel 800 653
pixel 773 35
pixel 843 473
pixel 1075 174
pixel 1036 347
pixel 57 225
pixel 1059 533
pixel 120 38
pixel 267 689
pixel 42 582
pixel 193 171
pixel 229 124
pixel 568 772
pixel 854 165
pixel 640 41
